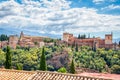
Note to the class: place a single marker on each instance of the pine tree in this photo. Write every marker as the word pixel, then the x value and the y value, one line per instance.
pixel 72 68
pixel 8 62
pixel 43 65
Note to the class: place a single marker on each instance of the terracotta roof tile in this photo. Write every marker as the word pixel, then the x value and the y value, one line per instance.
pixel 45 75
pixel 15 74
pixel 6 74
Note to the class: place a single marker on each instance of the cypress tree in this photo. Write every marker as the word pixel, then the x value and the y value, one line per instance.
pixel 43 65
pixel 72 68
pixel 79 36
pixel 76 48
pixel 8 62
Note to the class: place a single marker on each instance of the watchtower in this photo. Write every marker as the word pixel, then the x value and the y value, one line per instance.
pixel 108 38
pixel 13 40
pixel 67 36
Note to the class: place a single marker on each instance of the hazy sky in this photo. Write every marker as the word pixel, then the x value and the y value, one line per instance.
pixel 51 17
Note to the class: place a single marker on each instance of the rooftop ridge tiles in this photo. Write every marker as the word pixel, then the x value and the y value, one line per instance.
pixel 72 75
pixel 19 71
pixel 45 75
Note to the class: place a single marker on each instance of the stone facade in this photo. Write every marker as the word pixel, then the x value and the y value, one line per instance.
pixel 23 41
pixel 3 44
pixel 31 41
pixel 37 41
pixel 92 42
pixel 13 41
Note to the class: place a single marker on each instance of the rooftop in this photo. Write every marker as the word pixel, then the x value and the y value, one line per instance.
pixel 6 74
pixel 15 74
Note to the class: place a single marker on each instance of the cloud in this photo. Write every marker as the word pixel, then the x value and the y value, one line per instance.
pixel 111 7
pixel 52 17
pixel 98 1
pixel 103 1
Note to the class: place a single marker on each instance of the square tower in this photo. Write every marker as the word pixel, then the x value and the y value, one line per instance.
pixel 67 36
pixel 13 40
pixel 108 39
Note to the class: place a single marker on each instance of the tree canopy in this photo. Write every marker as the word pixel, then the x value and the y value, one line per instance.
pixel 3 37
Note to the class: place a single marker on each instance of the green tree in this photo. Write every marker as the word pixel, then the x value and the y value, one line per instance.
pixel 83 36
pixel 72 68
pixel 119 43
pixel 8 62
pixel 50 68
pixel 36 43
pixel 2 58
pixel 76 48
pixel 3 37
pixel 43 65
pixel 79 36
pixel 115 69
pixel 19 66
pixel 62 70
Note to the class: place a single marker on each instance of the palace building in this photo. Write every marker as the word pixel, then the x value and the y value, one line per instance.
pixel 38 41
pixel 23 41
pixel 31 41
pixel 92 42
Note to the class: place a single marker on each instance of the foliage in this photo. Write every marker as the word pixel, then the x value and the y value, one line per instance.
pixel 30 57
pixel 76 48
pixel 119 42
pixel 19 66
pixel 2 58
pixel 8 62
pixel 101 60
pixel 3 37
pixel 43 65
pixel 115 69
pixel 48 40
pixel 36 43
pixel 72 67
pixel 81 36
pixel 62 70
pixel 50 68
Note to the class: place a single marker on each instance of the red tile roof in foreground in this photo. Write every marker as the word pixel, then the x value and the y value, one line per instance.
pixel 42 75
pixel 15 74
pixel 102 75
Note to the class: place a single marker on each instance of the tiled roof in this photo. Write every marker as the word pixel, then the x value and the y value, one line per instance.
pixel 44 75
pixel 41 75
pixel 15 74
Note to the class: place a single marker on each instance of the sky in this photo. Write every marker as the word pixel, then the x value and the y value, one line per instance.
pixel 53 17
